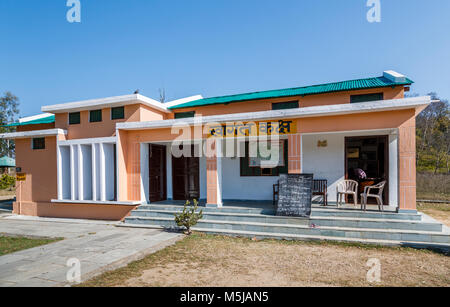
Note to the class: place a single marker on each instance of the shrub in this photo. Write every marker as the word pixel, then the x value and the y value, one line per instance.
pixel 7 182
pixel 189 217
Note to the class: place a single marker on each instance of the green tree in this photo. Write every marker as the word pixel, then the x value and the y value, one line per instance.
pixel 9 111
pixel 433 137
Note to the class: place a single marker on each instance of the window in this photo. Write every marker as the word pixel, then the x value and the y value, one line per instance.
pixel 38 143
pixel 247 170
pixel 95 116
pixel 184 115
pixel 74 118
pixel 117 113
pixel 285 105
pixel 366 97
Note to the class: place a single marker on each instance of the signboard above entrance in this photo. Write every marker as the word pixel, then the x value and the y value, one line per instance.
pixel 280 127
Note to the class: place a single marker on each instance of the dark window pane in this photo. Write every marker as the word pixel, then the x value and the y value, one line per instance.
pixel 95 116
pixel 184 115
pixel 285 105
pixel 38 143
pixel 366 97
pixel 118 113
pixel 247 171
pixel 74 118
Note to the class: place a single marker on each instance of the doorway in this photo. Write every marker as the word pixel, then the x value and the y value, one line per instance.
pixel 186 177
pixel 157 173
pixel 371 155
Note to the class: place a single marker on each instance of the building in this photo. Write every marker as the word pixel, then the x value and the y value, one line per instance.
pixel 102 158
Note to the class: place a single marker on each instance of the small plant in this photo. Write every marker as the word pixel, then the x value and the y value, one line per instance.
pixel 189 217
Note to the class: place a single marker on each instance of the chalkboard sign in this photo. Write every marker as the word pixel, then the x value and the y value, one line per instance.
pixel 295 195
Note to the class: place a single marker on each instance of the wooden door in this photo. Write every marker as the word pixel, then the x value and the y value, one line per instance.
pixel 186 178
pixel 157 173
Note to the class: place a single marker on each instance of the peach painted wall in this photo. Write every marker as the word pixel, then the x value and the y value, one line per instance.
pixel 40 167
pixel 306 101
pixel 107 127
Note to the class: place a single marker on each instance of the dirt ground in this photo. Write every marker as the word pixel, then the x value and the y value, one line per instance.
pixel 203 260
pixel 440 212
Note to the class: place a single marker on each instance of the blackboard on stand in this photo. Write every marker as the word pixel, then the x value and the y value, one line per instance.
pixel 295 195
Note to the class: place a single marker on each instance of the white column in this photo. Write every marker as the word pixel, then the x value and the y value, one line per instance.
pixel 393 170
pixel 59 173
pixel 73 195
pixel 145 176
pixel 94 173
pixel 80 174
pixel 102 173
pixel 219 173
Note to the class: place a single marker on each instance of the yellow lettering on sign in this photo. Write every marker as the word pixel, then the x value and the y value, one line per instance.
pixel 281 127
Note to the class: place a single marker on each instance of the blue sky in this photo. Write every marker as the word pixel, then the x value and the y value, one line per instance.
pixel 214 47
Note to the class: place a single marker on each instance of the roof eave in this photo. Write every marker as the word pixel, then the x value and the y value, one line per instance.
pixel 328 110
pixel 33 134
pixel 109 102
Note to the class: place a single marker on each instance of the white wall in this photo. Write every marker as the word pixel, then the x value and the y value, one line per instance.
pixel 325 162
pixel 235 187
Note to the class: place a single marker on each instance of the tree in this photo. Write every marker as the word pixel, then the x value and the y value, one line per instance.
pixel 433 136
pixel 9 111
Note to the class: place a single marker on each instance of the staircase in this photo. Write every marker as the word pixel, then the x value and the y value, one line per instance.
pixel 346 225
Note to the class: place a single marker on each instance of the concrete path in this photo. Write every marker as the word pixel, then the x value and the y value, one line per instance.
pixel 99 246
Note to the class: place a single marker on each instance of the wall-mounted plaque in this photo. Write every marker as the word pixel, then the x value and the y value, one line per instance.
pixel 295 195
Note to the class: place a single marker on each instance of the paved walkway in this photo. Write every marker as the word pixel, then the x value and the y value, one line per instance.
pixel 99 246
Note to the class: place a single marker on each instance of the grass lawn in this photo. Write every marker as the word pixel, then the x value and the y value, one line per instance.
pixel 10 245
pixel 440 212
pixel 206 260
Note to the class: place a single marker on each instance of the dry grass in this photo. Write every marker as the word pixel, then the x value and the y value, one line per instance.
pixel 204 260
pixel 433 187
pixel 440 212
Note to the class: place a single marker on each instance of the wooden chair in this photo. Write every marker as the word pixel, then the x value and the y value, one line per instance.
pixel 347 187
pixel 320 187
pixel 379 196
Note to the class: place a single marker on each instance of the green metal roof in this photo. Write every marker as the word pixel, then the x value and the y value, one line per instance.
pixel 45 120
pixel 7 162
pixel 358 84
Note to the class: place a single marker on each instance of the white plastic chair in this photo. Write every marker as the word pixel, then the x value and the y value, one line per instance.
pixel 347 187
pixel 379 196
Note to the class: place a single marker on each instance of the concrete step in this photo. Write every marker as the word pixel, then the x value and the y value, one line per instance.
pixel 282 236
pixel 339 232
pixel 356 213
pixel 350 222
pixel 268 211
pixel 316 212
